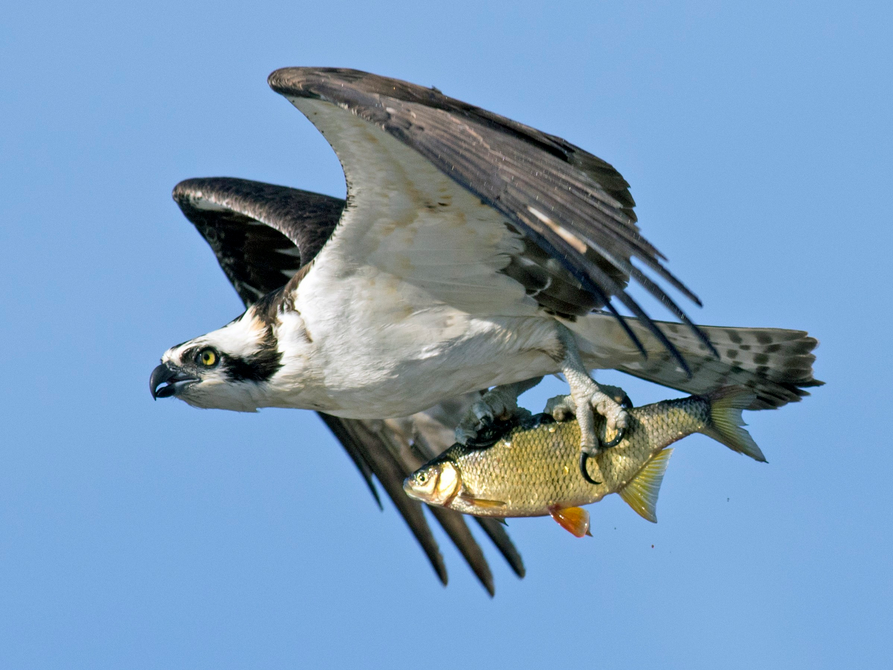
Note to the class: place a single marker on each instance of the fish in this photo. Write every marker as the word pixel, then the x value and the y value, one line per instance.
pixel 533 467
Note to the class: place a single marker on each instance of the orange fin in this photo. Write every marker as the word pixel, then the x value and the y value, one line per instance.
pixel 573 519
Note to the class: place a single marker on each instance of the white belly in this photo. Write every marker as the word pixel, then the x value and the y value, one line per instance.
pixel 386 352
pixel 409 367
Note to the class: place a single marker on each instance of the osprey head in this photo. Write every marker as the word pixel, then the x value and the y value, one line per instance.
pixel 229 368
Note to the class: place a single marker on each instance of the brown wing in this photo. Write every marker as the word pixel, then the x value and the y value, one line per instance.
pixel 261 234
pixel 391 450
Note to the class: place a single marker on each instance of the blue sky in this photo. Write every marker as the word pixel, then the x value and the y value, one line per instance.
pixel 757 140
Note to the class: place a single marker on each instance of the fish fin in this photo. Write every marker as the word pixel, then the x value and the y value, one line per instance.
pixel 483 502
pixel 575 520
pixel 641 492
pixel 726 424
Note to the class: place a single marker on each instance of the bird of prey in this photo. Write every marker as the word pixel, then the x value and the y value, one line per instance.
pixel 472 252
pixel 258 259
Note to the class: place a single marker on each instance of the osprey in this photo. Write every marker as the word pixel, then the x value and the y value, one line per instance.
pixel 472 252
pixel 257 260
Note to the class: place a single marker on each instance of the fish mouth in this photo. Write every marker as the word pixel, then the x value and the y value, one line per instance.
pixel 167 380
pixel 410 490
pixel 407 487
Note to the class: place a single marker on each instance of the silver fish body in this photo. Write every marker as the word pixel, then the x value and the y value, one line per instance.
pixel 533 470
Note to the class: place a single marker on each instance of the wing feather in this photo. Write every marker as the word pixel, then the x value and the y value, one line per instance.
pixel 381 461
pixel 573 205
pixel 261 234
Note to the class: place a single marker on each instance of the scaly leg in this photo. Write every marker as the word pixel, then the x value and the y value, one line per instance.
pixel 499 403
pixel 585 397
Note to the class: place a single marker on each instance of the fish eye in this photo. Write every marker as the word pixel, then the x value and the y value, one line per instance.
pixel 207 357
pixel 422 478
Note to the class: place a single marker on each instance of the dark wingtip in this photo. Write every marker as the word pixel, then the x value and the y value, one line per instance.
pixel 495 530
pixel 439 568
pixel 374 492
pixel 297 80
pixel 454 525
pixel 355 454
pixel 274 81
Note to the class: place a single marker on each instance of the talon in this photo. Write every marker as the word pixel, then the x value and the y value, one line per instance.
pixel 561 408
pixel 589 398
pixel 584 458
pixel 490 434
pixel 618 438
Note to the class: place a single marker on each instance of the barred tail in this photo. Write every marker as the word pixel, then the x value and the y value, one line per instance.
pixel 775 363
pixel 726 424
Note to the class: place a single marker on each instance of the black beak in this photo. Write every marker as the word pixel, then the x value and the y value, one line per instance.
pixel 169 379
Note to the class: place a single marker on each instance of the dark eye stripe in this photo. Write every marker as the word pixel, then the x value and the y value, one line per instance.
pixel 257 368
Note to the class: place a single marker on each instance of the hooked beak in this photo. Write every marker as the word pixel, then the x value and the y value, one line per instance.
pixel 167 381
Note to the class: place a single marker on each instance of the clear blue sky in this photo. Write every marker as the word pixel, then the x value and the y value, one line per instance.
pixel 152 535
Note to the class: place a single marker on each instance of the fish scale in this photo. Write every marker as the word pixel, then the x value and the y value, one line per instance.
pixel 530 465
pixel 533 469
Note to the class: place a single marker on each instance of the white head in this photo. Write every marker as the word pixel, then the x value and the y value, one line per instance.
pixel 235 367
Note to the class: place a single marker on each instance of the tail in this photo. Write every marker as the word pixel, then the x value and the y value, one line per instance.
pixel 726 424
pixel 774 363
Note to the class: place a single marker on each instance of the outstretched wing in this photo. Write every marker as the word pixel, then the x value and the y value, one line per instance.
pixel 393 448
pixel 262 235
pixel 482 212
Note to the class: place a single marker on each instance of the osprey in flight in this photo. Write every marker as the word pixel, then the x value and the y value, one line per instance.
pixel 472 252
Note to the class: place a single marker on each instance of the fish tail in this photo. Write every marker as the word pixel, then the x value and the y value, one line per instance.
pixel 726 425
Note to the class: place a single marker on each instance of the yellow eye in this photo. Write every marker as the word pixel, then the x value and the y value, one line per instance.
pixel 422 478
pixel 207 357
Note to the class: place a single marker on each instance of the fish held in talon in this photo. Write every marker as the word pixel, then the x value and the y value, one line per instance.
pixel 533 468
pixel 476 253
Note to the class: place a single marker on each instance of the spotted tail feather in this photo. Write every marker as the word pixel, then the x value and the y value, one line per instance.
pixel 774 363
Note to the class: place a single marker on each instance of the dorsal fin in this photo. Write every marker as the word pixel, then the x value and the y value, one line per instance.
pixel 641 492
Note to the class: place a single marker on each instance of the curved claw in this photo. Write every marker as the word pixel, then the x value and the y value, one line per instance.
pixel 584 458
pixel 491 431
pixel 618 438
